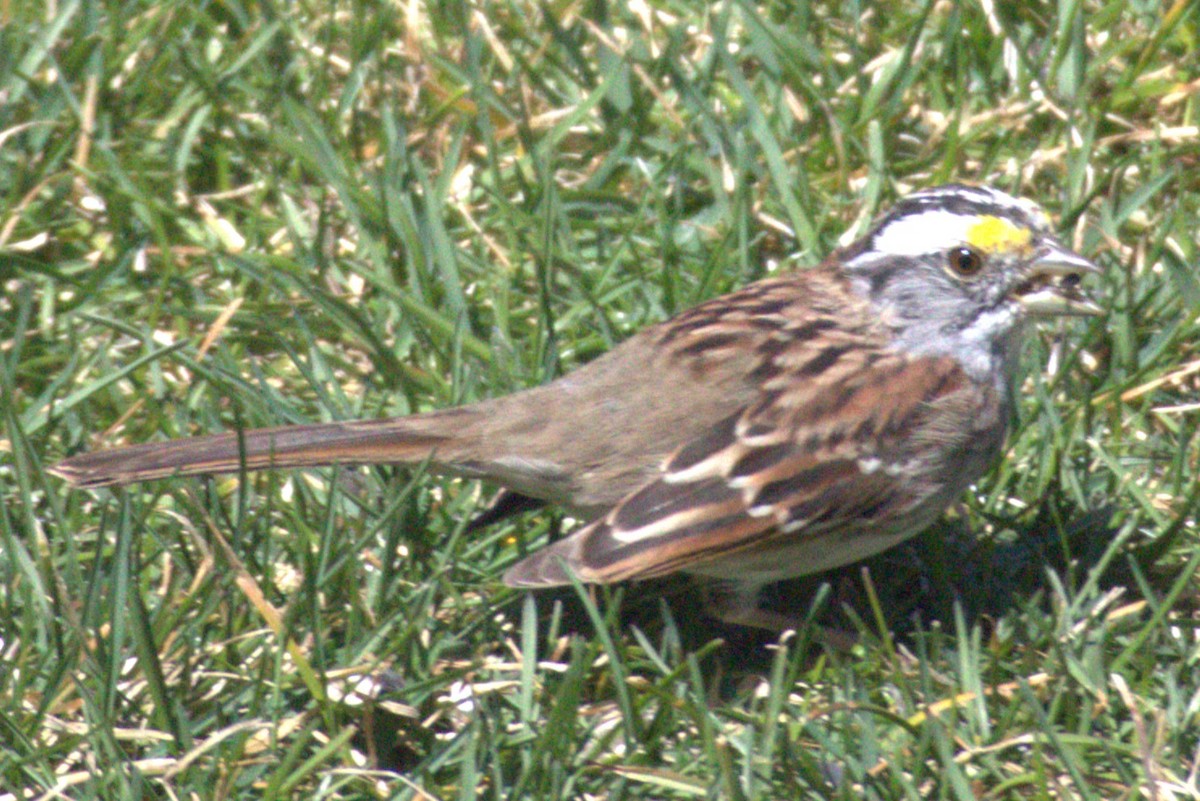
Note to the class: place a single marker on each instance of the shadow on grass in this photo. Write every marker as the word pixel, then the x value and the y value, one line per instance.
pixel 917 587
pixel 917 584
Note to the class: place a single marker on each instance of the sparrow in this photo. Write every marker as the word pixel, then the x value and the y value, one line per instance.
pixel 803 422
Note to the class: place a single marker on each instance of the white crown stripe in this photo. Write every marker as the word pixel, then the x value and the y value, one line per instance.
pixel 930 231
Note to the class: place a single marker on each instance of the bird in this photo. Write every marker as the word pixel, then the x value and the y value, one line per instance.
pixel 808 420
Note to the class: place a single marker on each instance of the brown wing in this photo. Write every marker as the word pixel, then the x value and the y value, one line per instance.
pixel 805 462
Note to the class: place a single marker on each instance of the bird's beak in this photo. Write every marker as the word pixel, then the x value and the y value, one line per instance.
pixel 1052 287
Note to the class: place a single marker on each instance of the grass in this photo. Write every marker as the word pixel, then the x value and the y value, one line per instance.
pixel 230 214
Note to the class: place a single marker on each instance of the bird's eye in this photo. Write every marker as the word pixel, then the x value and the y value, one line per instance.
pixel 965 261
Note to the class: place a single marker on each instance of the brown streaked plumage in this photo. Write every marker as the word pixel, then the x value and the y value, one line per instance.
pixel 800 423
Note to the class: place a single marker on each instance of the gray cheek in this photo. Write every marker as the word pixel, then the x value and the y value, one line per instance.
pixel 994 293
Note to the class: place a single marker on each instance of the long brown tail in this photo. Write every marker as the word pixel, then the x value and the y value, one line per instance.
pixel 404 439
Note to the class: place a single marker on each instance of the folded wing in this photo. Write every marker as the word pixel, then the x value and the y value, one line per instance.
pixel 806 463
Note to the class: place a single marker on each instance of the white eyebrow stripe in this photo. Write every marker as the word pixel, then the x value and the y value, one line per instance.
pixel 986 196
pixel 926 232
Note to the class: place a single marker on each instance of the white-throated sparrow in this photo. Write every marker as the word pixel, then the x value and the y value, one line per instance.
pixel 801 423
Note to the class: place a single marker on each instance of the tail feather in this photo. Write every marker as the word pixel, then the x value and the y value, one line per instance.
pixel 399 440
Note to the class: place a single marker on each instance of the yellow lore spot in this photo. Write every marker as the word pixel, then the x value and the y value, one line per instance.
pixel 997 235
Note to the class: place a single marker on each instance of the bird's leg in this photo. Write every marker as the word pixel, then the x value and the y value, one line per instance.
pixel 736 603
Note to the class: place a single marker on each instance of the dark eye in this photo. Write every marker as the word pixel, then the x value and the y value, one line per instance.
pixel 965 261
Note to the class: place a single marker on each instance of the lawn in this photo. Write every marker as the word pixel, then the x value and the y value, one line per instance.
pixel 216 215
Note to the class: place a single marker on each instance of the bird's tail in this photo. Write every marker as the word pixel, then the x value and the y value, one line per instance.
pixel 397 440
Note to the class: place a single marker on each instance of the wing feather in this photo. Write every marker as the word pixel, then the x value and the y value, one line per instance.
pixel 776 470
pixel 813 469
